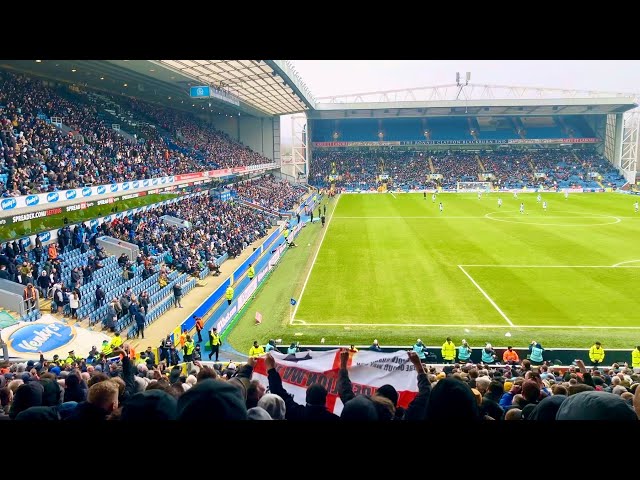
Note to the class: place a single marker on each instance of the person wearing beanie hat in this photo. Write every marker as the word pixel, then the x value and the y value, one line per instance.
pixel 388 391
pixel 258 413
pixel 360 408
pixel 151 405
pixel 452 399
pixel 441 375
pixel 28 395
pixel 547 409
pixel 274 405
pixel 595 405
pixel 52 393
pixel 507 386
pixel 211 400
pixel 315 408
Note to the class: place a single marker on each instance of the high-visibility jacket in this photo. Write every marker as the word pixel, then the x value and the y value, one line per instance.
pixel 510 356
pixel 199 324
pixel 106 349
pixel 214 339
pixel 536 354
pixel 229 293
pixel 256 351
pixel 115 342
pixel 189 347
pixel 635 358
pixel 183 338
pixel 448 351
pixel 251 273
pixel 52 250
pixel 596 354
pixel 464 353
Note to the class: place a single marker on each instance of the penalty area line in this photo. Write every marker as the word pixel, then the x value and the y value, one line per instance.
pixel 502 314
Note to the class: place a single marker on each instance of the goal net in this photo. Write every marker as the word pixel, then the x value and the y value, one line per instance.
pixel 473 186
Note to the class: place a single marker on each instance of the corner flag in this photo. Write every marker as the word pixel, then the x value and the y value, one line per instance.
pixel 293 301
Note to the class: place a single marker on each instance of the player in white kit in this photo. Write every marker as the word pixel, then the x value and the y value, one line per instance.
pixel 441 207
pixel 479 195
pixel 635 205
pixel 499 202
pixel 538 198
pixel 522 207
pixel 566 195
pixel 433 198
pixel 515 194
pixel 544 206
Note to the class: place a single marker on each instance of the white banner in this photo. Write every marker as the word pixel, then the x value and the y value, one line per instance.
pixel 368 371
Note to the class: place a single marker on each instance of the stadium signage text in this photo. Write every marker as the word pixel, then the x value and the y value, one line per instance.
pixel 52 197
pixel 41 337
pixel 458 142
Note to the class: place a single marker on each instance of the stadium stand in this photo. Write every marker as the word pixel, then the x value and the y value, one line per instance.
pixel 52 139
pixel 512 168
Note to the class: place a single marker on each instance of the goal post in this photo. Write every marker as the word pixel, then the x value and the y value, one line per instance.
pixel 473 186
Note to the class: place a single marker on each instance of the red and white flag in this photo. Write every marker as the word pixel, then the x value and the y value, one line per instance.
pixel 368 371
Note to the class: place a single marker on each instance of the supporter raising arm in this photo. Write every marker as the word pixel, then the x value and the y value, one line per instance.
pixel 315 409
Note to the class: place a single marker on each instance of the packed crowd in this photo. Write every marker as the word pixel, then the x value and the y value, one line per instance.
pixel 217 228
pixel 37 156
pixel 276 195
pixel 192 133
pixel 115 384
pixel 511 168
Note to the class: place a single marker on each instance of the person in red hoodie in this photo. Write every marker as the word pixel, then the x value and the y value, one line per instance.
pixel 510 357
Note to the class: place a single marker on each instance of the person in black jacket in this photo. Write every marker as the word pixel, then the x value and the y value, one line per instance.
pixel 100 296
pixel 416 410
pixel 315 409
pixel 177 294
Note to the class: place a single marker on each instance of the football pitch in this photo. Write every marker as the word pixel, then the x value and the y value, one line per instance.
pixel 396 268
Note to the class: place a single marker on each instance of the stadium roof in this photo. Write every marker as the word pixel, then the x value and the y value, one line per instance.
pixel 269 85
pixel 262 87
pixel 472 100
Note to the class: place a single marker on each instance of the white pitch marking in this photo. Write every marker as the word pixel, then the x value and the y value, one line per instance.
pixel 392 195
pixel 400 217
pixel 423 325
pixel 513 220
pixel 622 263
pixel 306 280
pixel 551 266
pixel 298 322
pixel 486 296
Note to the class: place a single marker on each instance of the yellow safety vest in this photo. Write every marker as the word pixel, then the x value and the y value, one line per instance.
pixel 215 339
pixel 229 293
pixel 448 351
pixel 251 273
pixel 635 358
pixel 115 342
pixel 190 347
pixel 256 351
pixel 596 354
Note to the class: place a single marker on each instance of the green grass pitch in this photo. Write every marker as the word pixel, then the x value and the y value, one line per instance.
pixel 395 268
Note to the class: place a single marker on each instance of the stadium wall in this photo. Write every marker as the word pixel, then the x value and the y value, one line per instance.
pixel 556 356
pixel 228 125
